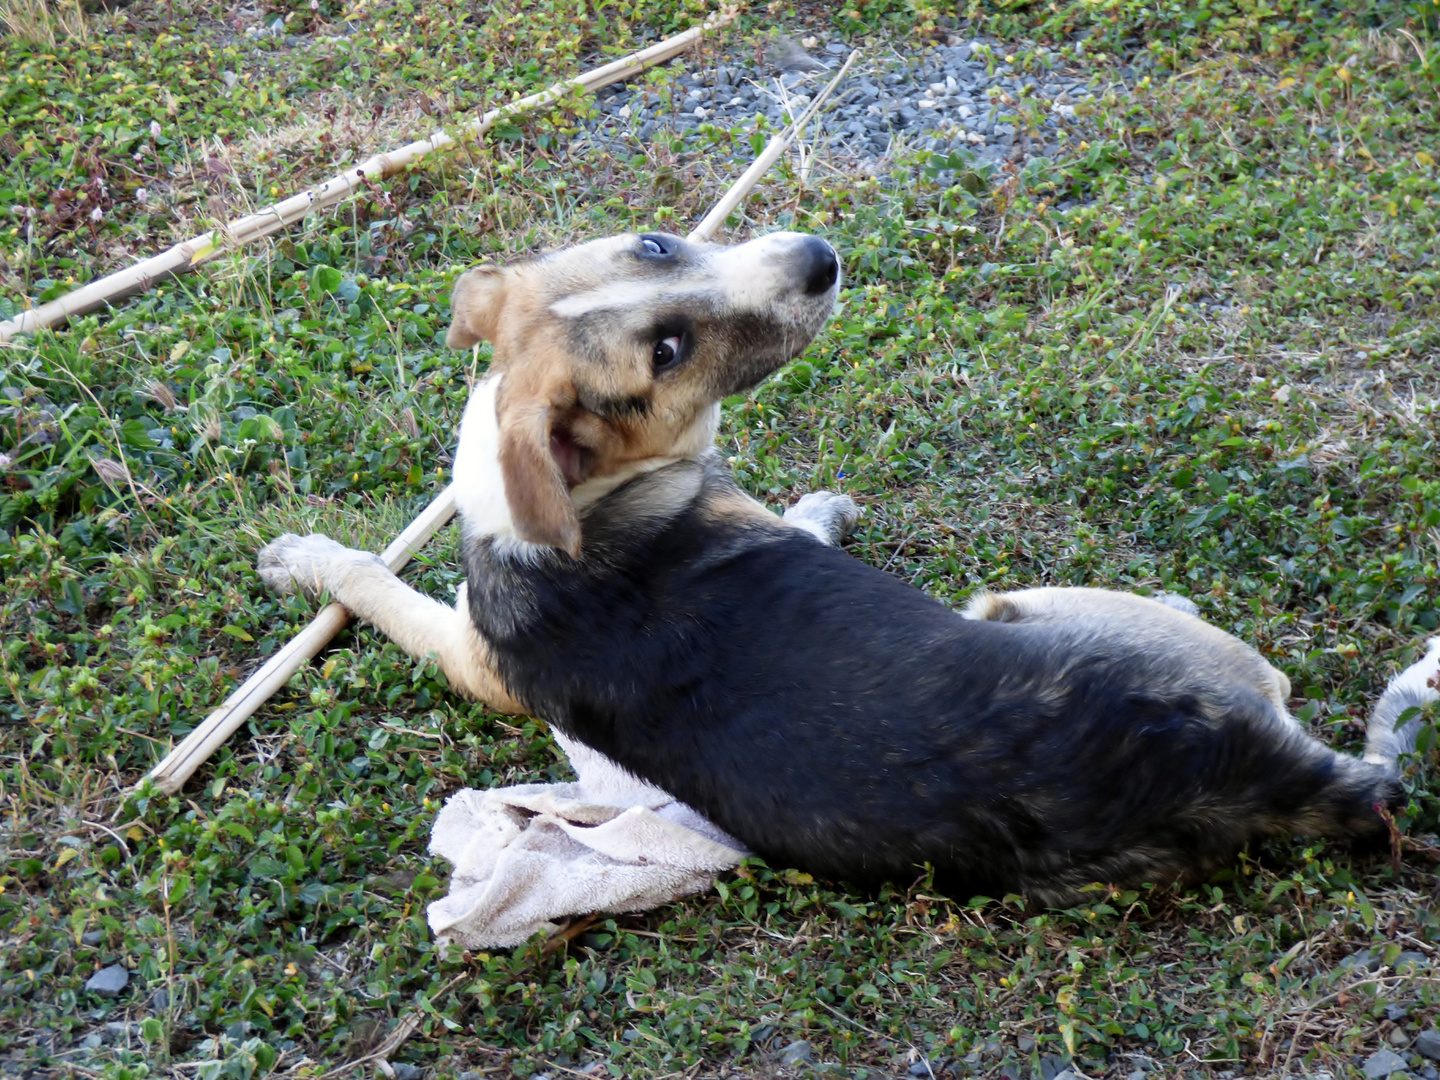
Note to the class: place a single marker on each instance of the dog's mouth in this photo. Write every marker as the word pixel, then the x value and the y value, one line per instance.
pixel 576 462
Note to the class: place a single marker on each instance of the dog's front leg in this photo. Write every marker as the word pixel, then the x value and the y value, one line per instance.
pixel 315 564
pixel 823 514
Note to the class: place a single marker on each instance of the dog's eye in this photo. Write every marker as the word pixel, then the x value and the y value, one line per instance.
pixel 666 352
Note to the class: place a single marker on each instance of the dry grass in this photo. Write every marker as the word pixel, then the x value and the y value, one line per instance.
pixel 44 22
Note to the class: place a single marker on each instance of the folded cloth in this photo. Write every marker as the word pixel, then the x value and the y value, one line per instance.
pixel 527 857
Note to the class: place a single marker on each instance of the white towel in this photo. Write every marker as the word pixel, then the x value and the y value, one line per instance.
pixel 527 857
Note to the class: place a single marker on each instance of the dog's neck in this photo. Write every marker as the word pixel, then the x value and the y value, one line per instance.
pixel 480 485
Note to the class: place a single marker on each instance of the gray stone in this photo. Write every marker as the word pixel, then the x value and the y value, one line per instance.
pixel 407 1072
pixel 1383 1063
pixel 1361 960
pixel 797 1053
pixel 1025 1044
pixel 920 1068
pixel 1410 958
pixel 1052 1065
pixel 108 981
pixel 160 1000
pixel 471 1075
pixel 1428 1043
pixel 837 48
pixel 1429 1072
pixel 1398 1038
pixel 92 937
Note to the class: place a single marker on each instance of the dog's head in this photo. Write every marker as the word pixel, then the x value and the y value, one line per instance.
pixel 617 352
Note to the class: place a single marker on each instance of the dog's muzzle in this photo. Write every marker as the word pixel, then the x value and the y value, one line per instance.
pixel 818 266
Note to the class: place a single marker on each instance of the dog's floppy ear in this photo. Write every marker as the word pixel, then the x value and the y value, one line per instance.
pixel 535 484
pixel 475 306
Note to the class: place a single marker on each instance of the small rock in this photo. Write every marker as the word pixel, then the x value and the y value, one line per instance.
pixel 92 937
pixel 797 1053
pixel 991 1048
pixel 1395 1012
pixel 1025 1044
pixel 160 1000
pixel 1052 1065
pixel 1410 958
pixel 920 1068
pixel 470 1075
pixel 116 1033
pixel 1383 1063
pixel 837 48
pixel 1010 1071
pixel 1138 1074
pixel 1429 1072
pixel 407 1072
pixel 1398 1038
pixel 108 982
pixel 1428 1043
pixel 1065 1074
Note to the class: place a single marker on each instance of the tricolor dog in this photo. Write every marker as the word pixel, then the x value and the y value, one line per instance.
pixel 831 717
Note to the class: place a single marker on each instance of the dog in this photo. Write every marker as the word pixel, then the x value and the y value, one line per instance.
pixel 622 587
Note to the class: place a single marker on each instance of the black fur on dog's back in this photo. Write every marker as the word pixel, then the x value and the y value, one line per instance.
pixel 838 720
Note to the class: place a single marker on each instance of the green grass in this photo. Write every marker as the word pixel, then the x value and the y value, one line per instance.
pixel 1214 373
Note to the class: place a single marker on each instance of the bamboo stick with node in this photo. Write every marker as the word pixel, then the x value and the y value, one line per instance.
pixel 171 773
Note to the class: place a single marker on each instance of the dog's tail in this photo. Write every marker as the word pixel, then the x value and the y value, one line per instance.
pixel 1390 732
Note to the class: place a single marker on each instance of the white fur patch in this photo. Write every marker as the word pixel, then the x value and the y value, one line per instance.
pixel 1412 687
pixel 479 484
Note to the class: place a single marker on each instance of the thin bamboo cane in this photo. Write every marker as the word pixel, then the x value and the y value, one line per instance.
pixel 171 773
pixel 198 249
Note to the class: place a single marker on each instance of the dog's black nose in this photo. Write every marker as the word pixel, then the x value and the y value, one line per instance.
pixel 818 265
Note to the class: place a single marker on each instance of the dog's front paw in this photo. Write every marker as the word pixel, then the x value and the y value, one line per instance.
pixel 829 516
pixel 291 563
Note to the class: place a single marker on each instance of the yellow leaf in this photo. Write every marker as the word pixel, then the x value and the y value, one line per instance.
pixel 1422 158
pixel 1285 83
pixel 65 856
pixel 135 833
pixel 1343 74
pixel 179 349
pixel 329 668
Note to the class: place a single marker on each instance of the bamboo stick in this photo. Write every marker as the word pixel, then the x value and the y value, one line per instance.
pixel 246 230
pixel 171 773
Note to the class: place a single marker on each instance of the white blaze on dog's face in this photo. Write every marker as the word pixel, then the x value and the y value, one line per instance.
pixel 613 357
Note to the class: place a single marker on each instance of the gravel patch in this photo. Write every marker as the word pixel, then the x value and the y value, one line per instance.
pixel 967 97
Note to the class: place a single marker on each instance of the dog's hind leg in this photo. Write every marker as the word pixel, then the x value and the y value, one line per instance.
pixel 823 514
pixel 1414 687
pixel 315 564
